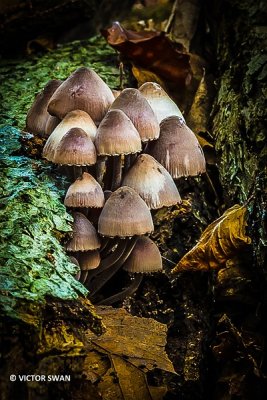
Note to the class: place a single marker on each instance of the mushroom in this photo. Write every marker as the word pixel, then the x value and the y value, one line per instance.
pixel 117 136
pixel 88 260
pixel 144 258
pixel 37 115
pixel 152 182
pixel 83 90
pixel 51 124
pixel 178 149
pixel 136 107
pixel 124 215
pixel 85 192
pixel 162 105
pixel 84 235
pixel 74 119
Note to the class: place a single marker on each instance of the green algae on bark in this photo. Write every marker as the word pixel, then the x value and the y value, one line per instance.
pixel 24 78
pixel 33 262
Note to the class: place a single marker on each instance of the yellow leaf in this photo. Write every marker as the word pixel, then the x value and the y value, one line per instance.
pixel 219 242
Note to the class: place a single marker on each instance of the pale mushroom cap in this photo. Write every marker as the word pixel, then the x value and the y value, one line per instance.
pixel 162 105
pixel 116 135
pixel 125 214
pixel 84 235
pixel 75 148
pixel 144 258
pixel 152 182
pixel 136 107
pixel 74 119
pixel 89 260
pixel 85 192
pixel 37 115
pixel 83 90
pixel 178 149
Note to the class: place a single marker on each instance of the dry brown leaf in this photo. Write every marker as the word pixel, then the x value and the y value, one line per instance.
pixel 120 358
pixel 154 52
pixel 219 242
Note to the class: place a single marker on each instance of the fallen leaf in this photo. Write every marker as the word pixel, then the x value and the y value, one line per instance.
pixel 219 242
pixel 132 346
pixel 153 52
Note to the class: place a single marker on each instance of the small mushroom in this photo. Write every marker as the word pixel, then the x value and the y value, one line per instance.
pixel 178 149
pixel 152 182
pixel 117 136
pixel 162 105
pixel 136 107
pixel 84 235
pixel 89 260
pixel 125 214
pixel 85 192
pixel 75 148
pixel 74 119
pixel 144 258
pixel 37 115
pixel 83 90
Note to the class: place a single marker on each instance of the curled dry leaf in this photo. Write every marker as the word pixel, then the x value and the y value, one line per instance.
pixel 219 242
pixel 152 52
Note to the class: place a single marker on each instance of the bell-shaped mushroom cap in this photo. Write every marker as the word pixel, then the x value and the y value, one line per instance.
pixel 75 148
pixel 116 135
pixel 133 104
pixel 37 115
pixel 84 235
pixel 85 192
pixel 89 260
pixel 74 119
pixel 125 214
pixel 152 182
pixel 162 105
pixel 83 90
pixel 144 258
pixel 51 124
pixel 178 149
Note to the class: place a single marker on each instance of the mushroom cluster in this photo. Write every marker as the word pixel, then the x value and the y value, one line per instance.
pixel 123 155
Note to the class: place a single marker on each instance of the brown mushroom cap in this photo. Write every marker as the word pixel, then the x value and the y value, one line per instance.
pixel 178 149
pixel 85 192
pixel 144 258
pixel 116 135
pixel 89 260
pixel 152 182
pixel 51 124
pixel 125 214
pixel 162 105
pixel 133 104
pixel 75 148
pixel 37 115
pixel 83 90
pixel 74 119
pixel 84 235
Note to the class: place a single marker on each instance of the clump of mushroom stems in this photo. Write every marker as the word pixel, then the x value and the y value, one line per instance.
pixel 135 162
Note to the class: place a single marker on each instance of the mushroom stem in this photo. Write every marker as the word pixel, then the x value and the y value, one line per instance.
pixel 117 171
pixel 105 276
pixel 100 169
pixel 111 244
pixel 124 293
pixel 83 276
pixel 104 243
pixel 127 163
pixel 108 261
pixel 108 174
pixel 77 171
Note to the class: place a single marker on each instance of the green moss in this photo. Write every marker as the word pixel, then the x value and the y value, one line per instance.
pixel 23 79
pixel 33 262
